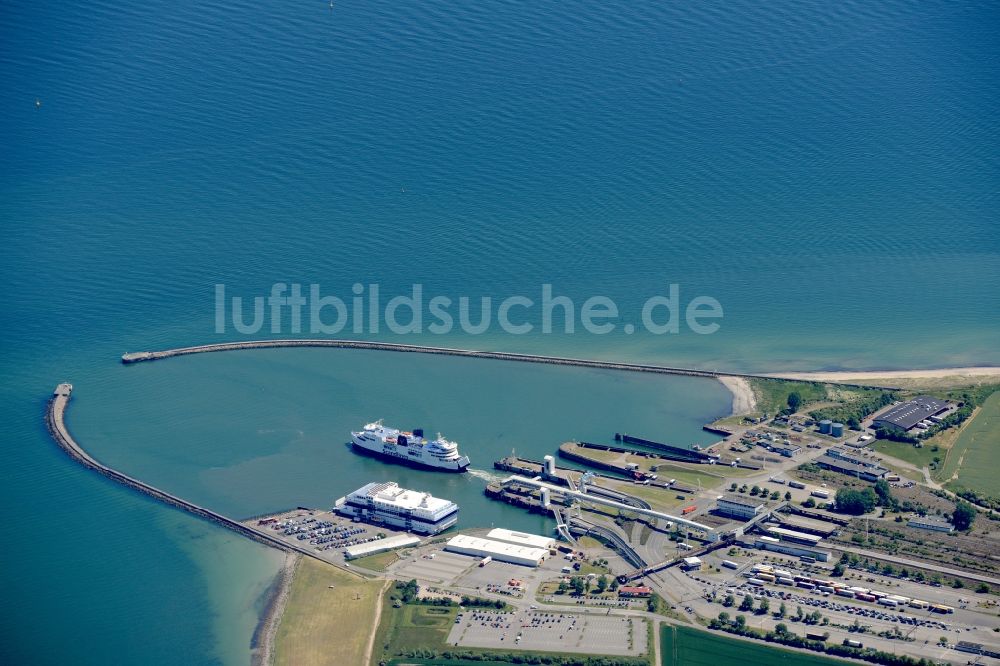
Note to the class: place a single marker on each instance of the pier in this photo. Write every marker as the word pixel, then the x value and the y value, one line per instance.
pixel 55 421
pixel 140 357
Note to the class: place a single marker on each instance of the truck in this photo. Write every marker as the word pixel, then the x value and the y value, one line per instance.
pixel 796 484
pixel 850 642
pixel 822 494
pixel 887 602
pixel 815 637
pixel 766 576
pixel 486 560
pixel 688 509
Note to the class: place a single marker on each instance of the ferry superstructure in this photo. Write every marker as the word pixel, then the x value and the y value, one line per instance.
pixel 410 448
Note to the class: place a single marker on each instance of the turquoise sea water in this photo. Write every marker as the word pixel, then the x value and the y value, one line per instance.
pixel 828 173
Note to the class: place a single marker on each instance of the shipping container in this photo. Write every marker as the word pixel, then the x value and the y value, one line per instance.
pixel 806 586
pixel 890 603
pixel 755 581
pixel 845 593
pixel 688 509
pixel 796 484
pixel 785 581
pixel 766 576
pixel 917 603
pixel 864 597
pixel 730 565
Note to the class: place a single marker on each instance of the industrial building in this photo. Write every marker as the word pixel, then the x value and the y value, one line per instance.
pixel 521 538
pixel 928 523
pixel 380 545
pixel 910 415
pixel 777 546
pixel 792 536
pixel 497 550
pixel 844 464
pixel 634 591
pixel 737 506
pixel 786 450
pixel 385 503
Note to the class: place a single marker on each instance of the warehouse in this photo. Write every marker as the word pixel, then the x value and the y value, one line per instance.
pixel 498 550
pixel 772 544
pixel 521 538
pixel 846 466
pixel 907 416
pixel 380 545
pixel 793 536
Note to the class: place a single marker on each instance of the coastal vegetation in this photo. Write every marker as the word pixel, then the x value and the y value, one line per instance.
pixel 329 611
pixel 772 395
pixel 783 636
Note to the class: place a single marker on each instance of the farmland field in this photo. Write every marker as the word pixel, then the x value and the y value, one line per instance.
pixel 974 457
pixel 684 646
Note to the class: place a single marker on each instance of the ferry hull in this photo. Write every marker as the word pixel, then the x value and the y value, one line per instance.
pixel 416 464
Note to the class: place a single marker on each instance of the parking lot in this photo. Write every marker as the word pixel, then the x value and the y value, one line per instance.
pixel 444 568
pixel 551 631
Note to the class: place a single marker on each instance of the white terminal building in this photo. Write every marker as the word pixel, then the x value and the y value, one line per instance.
pixel 738 506
pixel 500 551
pixel 385 503
pixel 521 538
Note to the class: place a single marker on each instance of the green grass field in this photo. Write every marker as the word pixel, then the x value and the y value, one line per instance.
pixel 974 455
pixel 685 646
pixel 921 457
pixel 320 621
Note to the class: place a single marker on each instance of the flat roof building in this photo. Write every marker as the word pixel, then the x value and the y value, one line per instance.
pixel 906 416
pixel 786 450
pixel 928 523
pixel 691 563
pixel 737 506
pixel 498 550
pixel 380 545
pixel 521 538
pixel 634 591
pixel 793 536
pixel 776 546
pixel 846 466
pixel 385 503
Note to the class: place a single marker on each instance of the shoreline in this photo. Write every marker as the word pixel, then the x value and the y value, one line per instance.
pixel 262 648
pixel 847 375
pixel 744 400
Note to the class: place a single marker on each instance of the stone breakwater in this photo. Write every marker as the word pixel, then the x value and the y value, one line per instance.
pixel 139 357
pixel 55 421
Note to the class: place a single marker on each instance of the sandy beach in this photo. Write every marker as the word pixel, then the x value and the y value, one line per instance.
pixel 744 401
pixel 847 375
pixel 263 652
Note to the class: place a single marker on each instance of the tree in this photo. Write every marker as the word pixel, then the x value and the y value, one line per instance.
pixel 724 617
pixel 775 495
pixel 809 503
pixel 964 516
pixel 983 588
pixel 729 601
pixel 755 490
pixel 577 585
pixel 602 584
pixel 781 629
pixel 856 502
pixel 782 610
pixel 884 493
pixel 764 607
pixel 794 401
pixel 563 587
pixel 747 603
pixel 788 495
pixel 838 570
pixel 798 614
pixel 741 621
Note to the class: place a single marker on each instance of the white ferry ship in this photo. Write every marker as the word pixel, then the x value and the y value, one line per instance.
pixel 409 448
